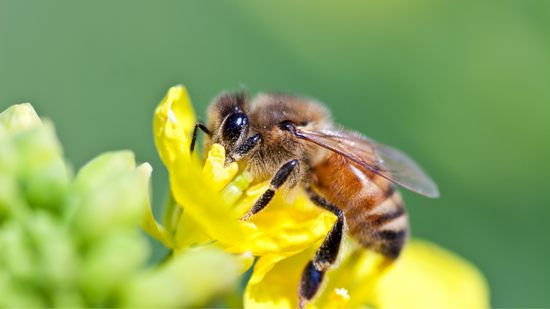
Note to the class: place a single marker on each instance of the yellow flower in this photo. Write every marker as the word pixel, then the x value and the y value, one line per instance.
pixel 212 197
pixel 208 199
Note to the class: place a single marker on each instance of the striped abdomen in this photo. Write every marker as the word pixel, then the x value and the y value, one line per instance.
pixel 374 210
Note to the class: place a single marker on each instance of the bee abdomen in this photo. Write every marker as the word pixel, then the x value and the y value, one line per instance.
pixel 379 220
pixel 374 210
pixel 384 227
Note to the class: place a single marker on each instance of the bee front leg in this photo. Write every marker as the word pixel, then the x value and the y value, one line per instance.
pixel 243 150
pixel 277 181
pixel 327 254
pixel 198 125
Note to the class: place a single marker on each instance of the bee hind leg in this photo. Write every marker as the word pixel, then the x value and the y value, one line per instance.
pixel 326 256
pixel 282 175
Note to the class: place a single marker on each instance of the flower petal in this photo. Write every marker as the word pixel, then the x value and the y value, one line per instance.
pixel 148 223
pixel 274 283
pixel 155 229
pixel 429 276
pixel 188 233
pixel 214 169
pixel 246 259
pixel 173 118
pixel 284 227
pixel 425 276
pixel 203 204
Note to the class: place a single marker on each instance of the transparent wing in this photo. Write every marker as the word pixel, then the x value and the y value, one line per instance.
pixel 385 161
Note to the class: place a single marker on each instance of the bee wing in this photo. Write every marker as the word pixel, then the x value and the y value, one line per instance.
pixel 385 161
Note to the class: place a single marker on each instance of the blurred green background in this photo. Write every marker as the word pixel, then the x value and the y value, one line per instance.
pixel 462 87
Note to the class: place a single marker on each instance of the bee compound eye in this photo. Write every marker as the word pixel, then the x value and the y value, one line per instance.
pixel 233 127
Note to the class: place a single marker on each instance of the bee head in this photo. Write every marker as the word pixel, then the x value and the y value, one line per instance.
pixel 229 120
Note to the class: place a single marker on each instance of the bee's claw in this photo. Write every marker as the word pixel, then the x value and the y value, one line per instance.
pixel 228 161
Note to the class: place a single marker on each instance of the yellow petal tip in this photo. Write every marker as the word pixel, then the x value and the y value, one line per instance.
pixel 214 170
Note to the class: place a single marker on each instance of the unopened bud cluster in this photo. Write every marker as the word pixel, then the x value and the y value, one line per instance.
pixel 76 241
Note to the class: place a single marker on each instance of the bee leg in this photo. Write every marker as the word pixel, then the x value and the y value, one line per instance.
pixel 198 125
pixel 327 254
pixel 277 181
pixel 246 148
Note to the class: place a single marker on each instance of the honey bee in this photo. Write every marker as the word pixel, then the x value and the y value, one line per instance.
pixel 292 142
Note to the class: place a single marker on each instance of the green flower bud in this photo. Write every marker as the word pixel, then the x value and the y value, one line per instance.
pixel 102 168
pixel 46 186
pixel 19 118
pixel 11 201
pixel 111 261
pixel 9 157
pixel 55 250
pixel 17 253
pixel 38 146
pixel 111 192
pixel 77 243
pixel 69 297
pixel 16 294
pixel 42 171
pixel 188 280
